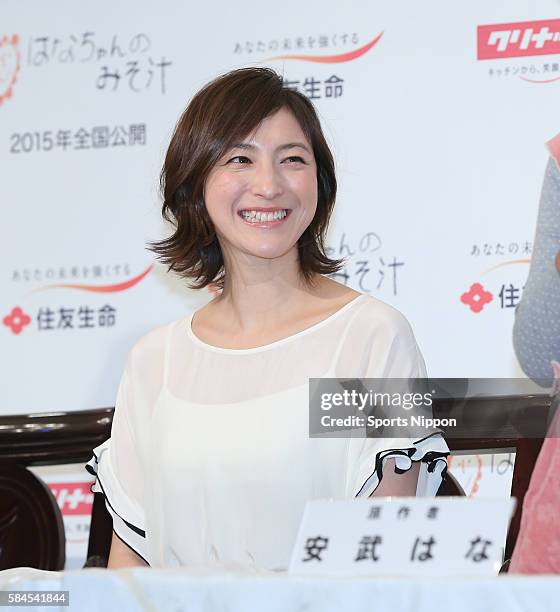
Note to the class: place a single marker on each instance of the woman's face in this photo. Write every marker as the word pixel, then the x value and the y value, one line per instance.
pixel 262 194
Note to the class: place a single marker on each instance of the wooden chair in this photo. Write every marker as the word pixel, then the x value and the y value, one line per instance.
pixel 450 487
pixel 31 525
pixel 100 534
pixel 31 528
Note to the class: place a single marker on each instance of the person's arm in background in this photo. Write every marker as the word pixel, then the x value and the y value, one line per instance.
pixel 536 331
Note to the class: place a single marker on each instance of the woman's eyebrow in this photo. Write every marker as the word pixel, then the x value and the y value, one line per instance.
pixel 288 145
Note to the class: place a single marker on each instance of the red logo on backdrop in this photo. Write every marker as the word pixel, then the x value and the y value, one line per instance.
pixel 16 320
pixel 348 56
pixel 519 39
pixel 476 297
pixel 9 66
pixel 73 497
pixel 101 288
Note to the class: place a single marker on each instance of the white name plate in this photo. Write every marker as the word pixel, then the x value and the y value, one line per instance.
pixel 402 536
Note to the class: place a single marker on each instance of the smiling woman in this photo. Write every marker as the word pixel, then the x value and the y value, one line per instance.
pixel 247 141
pixel 269 174
pixel 210 460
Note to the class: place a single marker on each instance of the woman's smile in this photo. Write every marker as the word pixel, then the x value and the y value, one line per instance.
pixel 264 217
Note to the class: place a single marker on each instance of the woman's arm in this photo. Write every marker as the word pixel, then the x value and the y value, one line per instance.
pixel 535 342
pixel 398 485
pixel 123 556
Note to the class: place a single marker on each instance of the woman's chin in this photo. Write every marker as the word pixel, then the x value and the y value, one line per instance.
pixel 269 251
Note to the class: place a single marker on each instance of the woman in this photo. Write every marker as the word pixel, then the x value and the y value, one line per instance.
pixel 210 460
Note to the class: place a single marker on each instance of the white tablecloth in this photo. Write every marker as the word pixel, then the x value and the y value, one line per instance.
pixel 188 590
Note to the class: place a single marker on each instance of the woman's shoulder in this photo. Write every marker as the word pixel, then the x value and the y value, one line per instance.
pixel 371 311
pixel 150 347
pixel 380 317
pixel 381 343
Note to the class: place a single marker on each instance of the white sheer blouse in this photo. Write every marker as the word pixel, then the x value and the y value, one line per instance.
pixel 210 460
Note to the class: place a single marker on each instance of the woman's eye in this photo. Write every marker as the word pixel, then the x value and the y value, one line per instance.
pixel 238 157
pixel 297 157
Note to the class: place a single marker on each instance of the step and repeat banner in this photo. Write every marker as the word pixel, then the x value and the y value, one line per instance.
pixel 438 114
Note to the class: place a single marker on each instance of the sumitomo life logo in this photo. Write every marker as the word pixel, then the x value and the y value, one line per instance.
pixel 522 44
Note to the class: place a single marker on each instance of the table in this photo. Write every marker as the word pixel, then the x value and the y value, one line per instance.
pixel 190 590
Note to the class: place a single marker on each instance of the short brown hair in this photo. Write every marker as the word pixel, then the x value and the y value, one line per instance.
pixel 222 113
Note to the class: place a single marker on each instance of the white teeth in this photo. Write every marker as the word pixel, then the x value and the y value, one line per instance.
pixel 256 216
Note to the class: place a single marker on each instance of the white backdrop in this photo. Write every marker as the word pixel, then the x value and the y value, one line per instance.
pixel 438 131
pixel 440 157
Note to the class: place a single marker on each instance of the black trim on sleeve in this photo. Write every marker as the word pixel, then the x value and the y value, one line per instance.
pixel 431 458
pixel 134 528
pixel 378 469
pixel 137 530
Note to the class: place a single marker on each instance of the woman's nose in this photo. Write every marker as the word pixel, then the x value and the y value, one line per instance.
pixel 267 181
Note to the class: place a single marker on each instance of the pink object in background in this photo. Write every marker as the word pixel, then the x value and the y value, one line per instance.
pixel 553 146
pixel 538 545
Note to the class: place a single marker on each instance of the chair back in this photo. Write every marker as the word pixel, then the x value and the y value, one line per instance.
pixel 31 524
pixel 31 527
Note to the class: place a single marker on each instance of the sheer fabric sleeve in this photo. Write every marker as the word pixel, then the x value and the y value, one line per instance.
pixel 395 354
pixel 116 464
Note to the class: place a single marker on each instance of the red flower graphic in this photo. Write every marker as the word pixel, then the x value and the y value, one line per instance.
pixel 9 66
pixel 476 297
pixel 16 320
